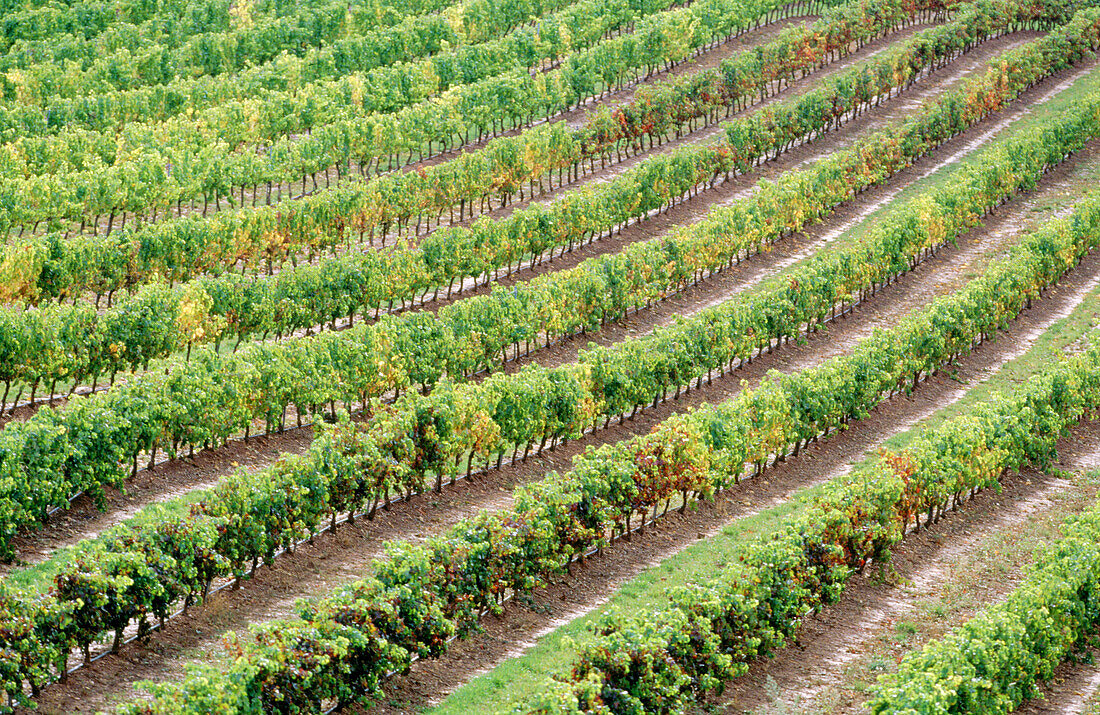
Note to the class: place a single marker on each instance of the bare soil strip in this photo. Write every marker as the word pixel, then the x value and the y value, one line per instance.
pixel 847 640
pixel 1073 689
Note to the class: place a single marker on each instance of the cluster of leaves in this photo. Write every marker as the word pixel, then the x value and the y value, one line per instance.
pixel 74 343
pixel 200 167
pixel 328 39
pixel 323 60
pixel 994 662
pixel 421 595
pixel 96 441
pixel 710 632
pixel 27 27
pixel 40 33
pixel 39 268
pixel 450 97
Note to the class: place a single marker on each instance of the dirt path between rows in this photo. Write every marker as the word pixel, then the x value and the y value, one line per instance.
pixel 337 559
pixel 83 520
pixel 1073 688
pixel 167 481
pixel 844 641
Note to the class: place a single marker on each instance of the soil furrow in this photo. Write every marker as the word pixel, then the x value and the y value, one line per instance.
pixel 846 640
pixel 167 481
pixel 1073 689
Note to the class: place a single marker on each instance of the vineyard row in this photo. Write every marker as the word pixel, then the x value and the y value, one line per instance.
pixel 75 343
